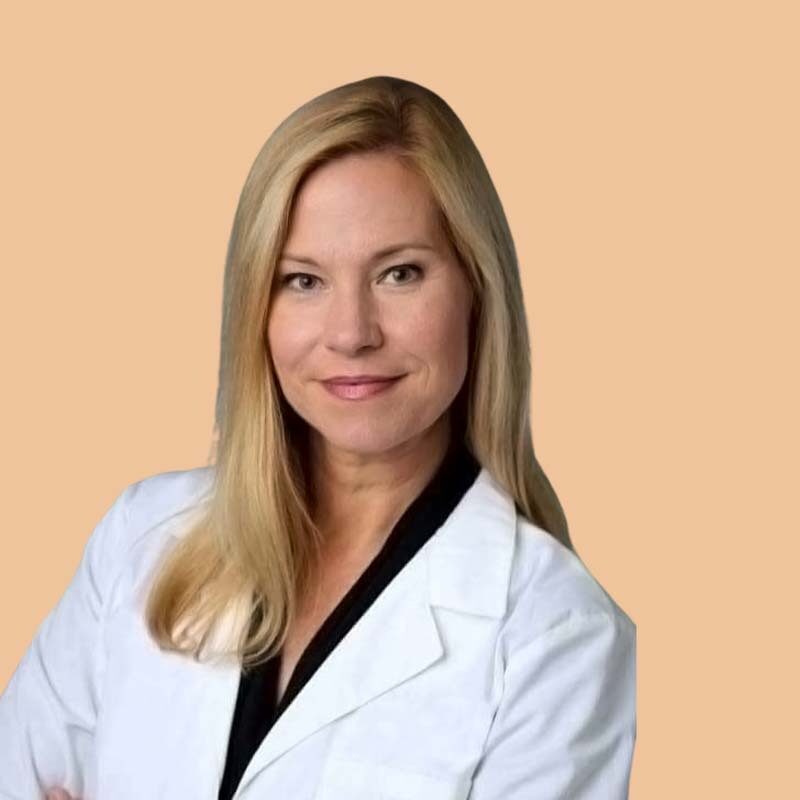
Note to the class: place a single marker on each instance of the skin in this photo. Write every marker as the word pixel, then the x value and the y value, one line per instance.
pixel 352 313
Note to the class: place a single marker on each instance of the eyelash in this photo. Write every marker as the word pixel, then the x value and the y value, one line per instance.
pixel 292 275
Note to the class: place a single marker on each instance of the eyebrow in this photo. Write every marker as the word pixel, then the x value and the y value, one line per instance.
pixel 378 254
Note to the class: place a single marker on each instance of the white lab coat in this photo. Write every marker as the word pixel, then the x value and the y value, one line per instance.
pixel 493 667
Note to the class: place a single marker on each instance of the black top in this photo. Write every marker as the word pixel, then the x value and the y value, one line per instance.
pixel 255 712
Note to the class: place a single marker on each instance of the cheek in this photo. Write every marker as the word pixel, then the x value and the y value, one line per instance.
pixel 439 337
pixel 286 337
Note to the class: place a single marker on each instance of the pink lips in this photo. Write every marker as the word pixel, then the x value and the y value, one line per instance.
pixel 359 390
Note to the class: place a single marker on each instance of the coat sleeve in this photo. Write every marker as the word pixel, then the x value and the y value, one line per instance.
pixel 49 707
pixel 566 723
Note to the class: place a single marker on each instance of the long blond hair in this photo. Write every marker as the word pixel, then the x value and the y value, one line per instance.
pixel 255 544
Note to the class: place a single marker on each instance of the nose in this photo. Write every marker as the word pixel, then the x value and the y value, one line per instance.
pixel 352 320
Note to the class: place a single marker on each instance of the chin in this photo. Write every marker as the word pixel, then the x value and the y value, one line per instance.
pixel 365 445
pixel 364 439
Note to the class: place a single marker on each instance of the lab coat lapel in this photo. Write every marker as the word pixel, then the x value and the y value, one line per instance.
pixel 464 566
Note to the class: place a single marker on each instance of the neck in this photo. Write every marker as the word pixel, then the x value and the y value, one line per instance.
pixel 359 498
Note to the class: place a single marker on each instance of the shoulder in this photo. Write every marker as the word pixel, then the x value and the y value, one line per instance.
pixel 551 588
pixel 158 497
pixel 140 519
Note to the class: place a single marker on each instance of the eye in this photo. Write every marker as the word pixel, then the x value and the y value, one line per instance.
pixel 405 268
pixel 308 279
pixel 286 279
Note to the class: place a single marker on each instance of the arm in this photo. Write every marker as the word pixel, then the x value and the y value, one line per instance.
pixel 566 724
pixel 49 708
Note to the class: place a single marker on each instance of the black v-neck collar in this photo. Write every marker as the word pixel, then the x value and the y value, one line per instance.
pixel 426 513
pixel 255 712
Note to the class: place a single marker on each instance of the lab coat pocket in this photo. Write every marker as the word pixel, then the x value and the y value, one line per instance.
pixel 347 779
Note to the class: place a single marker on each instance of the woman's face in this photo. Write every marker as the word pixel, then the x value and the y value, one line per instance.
pixel 355 311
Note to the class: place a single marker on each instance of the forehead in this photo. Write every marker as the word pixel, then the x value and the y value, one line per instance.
pixel 359 201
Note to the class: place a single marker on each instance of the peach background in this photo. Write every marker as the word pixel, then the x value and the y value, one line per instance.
pixel 647 158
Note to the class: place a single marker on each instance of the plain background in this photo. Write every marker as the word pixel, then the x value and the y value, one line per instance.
pixel 647 158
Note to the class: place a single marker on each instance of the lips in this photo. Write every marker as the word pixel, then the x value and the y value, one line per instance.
pixel 351 379
pixel 360 388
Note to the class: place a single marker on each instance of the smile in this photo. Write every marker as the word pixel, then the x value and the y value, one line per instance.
pixel 361 390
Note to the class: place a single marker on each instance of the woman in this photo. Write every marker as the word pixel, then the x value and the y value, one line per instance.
pixel 372 591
